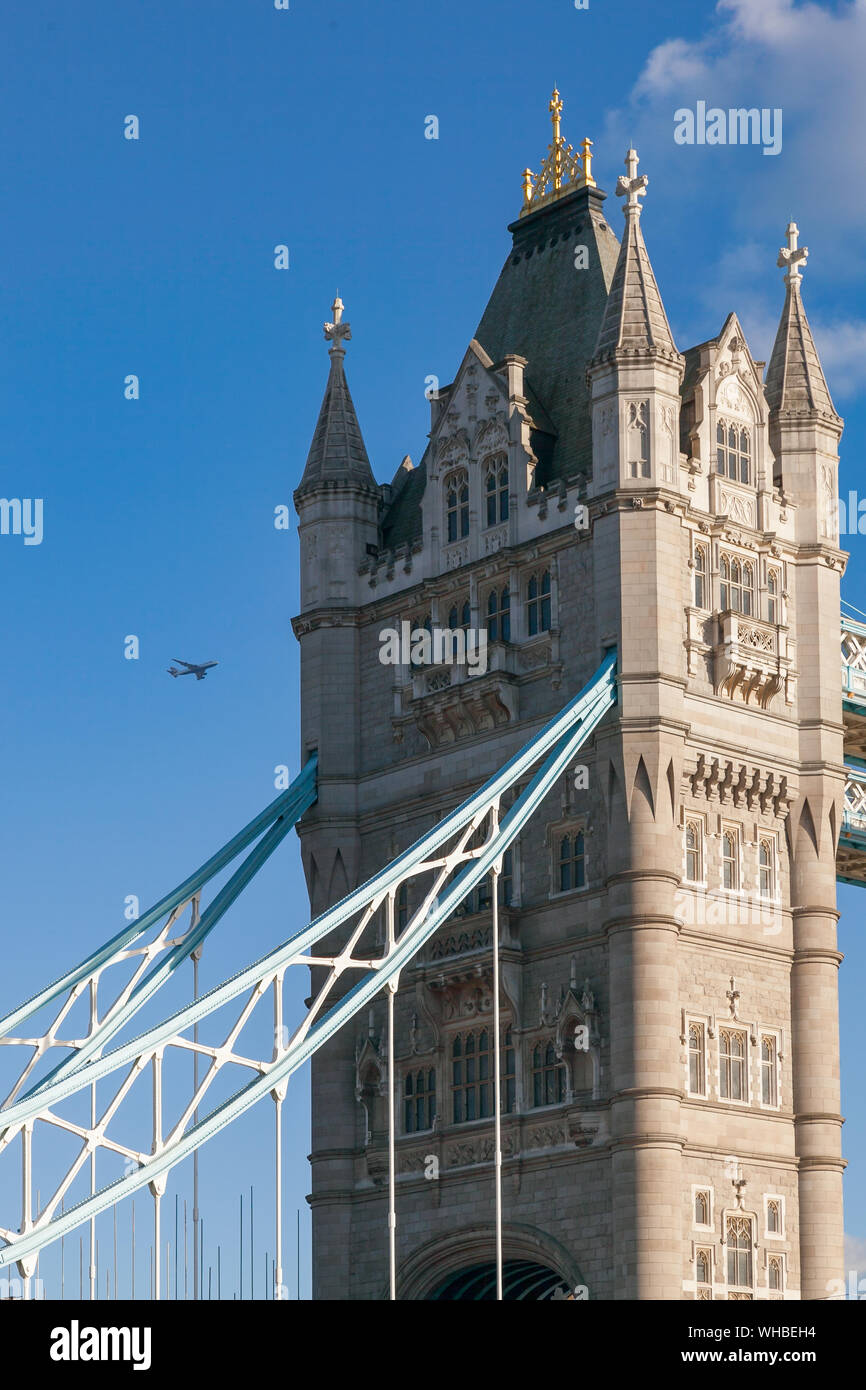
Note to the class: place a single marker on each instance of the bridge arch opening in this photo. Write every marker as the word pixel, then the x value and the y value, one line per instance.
pixel 521 1279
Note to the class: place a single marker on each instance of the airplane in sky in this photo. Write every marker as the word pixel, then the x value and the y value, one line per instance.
pixel 191 668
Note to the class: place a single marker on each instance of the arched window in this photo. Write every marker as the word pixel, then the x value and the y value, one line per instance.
pixel 773 590
pixel 460 616
pixel 774 1272
pixel 765 869
pixel 538 604
pixel 457 505
pixel 733 452
pixel 548 1082
pixel 737 585
pixel 702 1209
pixel 702 1276
pixel 499 615
pixel 419 1100
pixel 739 1247
pixel 496 488
pixel 774 1217
pixel 730 861
pixel 472 1075
pixel 732 1064
pixel 700 577
pixel 694 856
pixel 572 862
pixel 697 1060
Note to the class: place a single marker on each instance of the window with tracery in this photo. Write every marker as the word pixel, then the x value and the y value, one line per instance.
pixel 732 1064
pixel 457 505
pixel 736 585
pixel 733 452
pixel 738 1232
pixel 472 1075
pixel 538 603
pixel 548 1080
pixel 419 1100
pixel 496 489
pixel 499 615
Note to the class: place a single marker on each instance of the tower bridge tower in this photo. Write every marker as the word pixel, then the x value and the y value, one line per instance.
pixel 670 1088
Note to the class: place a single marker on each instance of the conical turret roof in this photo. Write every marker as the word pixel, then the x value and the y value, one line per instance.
pixel 338 453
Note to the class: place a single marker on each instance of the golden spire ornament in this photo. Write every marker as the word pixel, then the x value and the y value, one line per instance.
pixel 562 171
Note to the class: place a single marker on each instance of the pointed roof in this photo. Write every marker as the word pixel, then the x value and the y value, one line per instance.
pixel 634 318
pixel 795 382
pixel 338 453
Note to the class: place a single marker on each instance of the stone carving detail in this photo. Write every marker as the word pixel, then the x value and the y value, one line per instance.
pixel 637 438
pixel 491 435
pixel 668 454
pixel 453 448
pixel 457 555
pixel 740 785
pixel 741 509
pixel 459 942
pixel 495 540
pixel 733 397
pixel 547 1137
pixel 440 680
pixel 464 998
pixel 479 1151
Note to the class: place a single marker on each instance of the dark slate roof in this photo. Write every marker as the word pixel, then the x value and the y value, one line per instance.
pixel 634 321
pixel 546 310
pixel 795 382
pixel 402 522
pixel 337 453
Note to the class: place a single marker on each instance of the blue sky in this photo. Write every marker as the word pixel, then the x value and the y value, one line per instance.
pixel 155 257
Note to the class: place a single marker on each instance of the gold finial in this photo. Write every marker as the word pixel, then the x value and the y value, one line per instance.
pixel 562 170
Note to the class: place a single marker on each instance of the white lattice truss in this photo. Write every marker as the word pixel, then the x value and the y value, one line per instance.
pixel 35 1110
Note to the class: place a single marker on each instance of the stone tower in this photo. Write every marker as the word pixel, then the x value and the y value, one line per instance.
pixel 670 1122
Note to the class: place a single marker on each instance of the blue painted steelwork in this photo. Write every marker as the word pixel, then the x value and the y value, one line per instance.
pixel 281 815
pixel 559 740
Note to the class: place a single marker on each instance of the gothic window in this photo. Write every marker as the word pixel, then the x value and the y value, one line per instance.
pixel 460 616
pixel 773 591
pixel 572 862
pixel 419 1100
pixel 697 1059
pixel 496 489
pixel 730 860
pixel 738 1230
pixel 774 1272
pixel 694 852
pixel 774 1216
pixel 733 452
pixel 548 1081
pixel 732 1064
pixel 737 585
pixel 766 886
pixel 472 1075
pixel 457 505
pixel 499 615
pixel 700 573
pixel 769 1070
pixel 538 604
pixel 702 1208
pixel 704 1291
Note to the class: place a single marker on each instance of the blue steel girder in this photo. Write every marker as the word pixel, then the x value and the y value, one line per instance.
pixel 556 743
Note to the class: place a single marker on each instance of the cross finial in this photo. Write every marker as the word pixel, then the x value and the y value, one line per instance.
pixel 555 109
pixel 632 185
pixel 337 330
pixel 733 997
pixel 793 255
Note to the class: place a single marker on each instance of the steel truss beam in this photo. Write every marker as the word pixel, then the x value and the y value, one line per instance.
pixel 438 854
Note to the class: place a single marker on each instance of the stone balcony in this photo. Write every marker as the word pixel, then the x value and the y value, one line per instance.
pixel 752 659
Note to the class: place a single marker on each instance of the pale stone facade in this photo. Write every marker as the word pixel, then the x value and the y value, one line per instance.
pixel 690 1146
